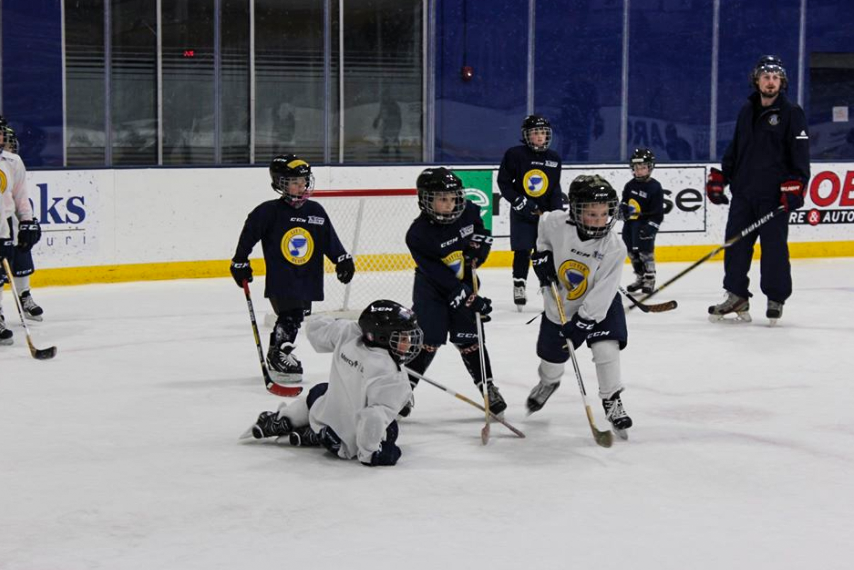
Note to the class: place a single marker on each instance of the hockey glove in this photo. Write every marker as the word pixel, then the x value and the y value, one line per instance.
pixel 577 330
pixel 627 211
pixel 525 208
pixel 345 269
pixel 241 271
pixel 792 194
pixel 544 267
pixel 29 234
pixel 479 304
pixel 715 187
pixel 5 253
pixel 387 454
pixel 477 249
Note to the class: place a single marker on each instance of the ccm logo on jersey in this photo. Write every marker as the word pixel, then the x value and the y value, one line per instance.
pixel 449 242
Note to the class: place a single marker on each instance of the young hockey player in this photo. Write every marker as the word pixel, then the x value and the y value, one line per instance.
pixel 529 178
pixel 353 415
pixel 16 201
pixel 295 233
pixel 445 240
pixel 578 251
pixel 643 211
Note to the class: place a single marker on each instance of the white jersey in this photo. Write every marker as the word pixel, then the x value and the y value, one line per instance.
pixel 588 271
pixel 366 390
pixel 13 187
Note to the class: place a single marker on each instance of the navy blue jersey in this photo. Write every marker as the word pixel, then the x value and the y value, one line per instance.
pixel 770 146
pixel 294 241
pixel 534 175
pixel 438 250
pixel 648 199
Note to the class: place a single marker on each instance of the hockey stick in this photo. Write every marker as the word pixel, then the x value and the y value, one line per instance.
pixel 38 353
pixel 272 387
pixel 603 438
pixel 746 231
pixel 653 308
pixel 464 399
pixel 484 433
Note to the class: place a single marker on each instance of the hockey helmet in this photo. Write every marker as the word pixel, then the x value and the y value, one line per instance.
pixel 584 192
pixel 287 169
pixel 390 325
pixel 532 123
pixel 642 156
pixel 769 64
pixel 8 139
pixel 433 182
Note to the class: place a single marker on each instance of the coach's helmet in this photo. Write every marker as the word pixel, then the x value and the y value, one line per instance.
pixel 292 178
pixel 443 184
pixel 534 123
pixel 390 325
pixel 769 64
pixel 585 192
pixel 642 156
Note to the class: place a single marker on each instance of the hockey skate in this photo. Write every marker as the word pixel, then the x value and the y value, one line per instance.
pixel 31 310
pixel 774 312
pixel 637 285
pixel 304 437
pixel 269 424
pixel 648 283
pixel 407 408
pixel 731 304
pixel 497 405
pixel 519 297
pixel 5 334
pixel 540 395
pixel 284 366
pixel 617 415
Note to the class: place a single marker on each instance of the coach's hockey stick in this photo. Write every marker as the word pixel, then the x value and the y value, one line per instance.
pixel 746 231
pixel 653 308
pixel 272 387
pixel 603 438
pixel 38 353
pixel 464 399
pixel 484 433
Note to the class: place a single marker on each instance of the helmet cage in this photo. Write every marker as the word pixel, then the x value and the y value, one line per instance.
pixel 10 139
pixel 281 184
pixel 427 203
pixel 533 124
pixel 642 156
pixel 405 345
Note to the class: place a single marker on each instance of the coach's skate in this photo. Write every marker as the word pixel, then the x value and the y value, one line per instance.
pixel 774 311
pixel 269 424
pixel 304 437
pixel 731 304
pixel 519 297
pixel 540 395
pixel 31 310
pixel 617 415
pixel 637 285
pixel 5 334
pixel 284 366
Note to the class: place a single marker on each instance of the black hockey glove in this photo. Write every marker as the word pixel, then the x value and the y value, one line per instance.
pixel 525 208
pixel 627 211
pixel 5 252
pixel 387 454
pixel 577 330
pixel 479 304
pixel 544 267
pixel 715 187
pixel 241 271
pixel 29 234
pixel 478 248
pixel 345 269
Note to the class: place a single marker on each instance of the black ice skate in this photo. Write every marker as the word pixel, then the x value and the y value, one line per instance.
pixel 407 409
pixel 731 304
pixel 284 366
pixel 637 285
pixel 540 395
pixel 617 415
pixel 31 310
pixel 5 334
pixel 648 283
pixel 774 311
pixel 519 297
pixel 497 405
pixel 304 437
pixel 269 424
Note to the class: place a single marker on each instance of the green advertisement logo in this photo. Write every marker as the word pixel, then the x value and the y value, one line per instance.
pixel 478 189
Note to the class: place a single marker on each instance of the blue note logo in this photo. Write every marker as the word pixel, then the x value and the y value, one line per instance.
pixel 297 246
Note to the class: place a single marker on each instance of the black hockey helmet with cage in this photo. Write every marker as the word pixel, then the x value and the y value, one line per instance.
pixel 434 181
pixel 8 139
pixel 286 169
pixel 769 64
pixel 642 156
pixel 585 191
pixel 390 325
pixel 535 122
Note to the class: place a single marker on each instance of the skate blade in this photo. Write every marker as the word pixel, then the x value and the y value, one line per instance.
pixel 621 433
pixel 519 307
pixel 36 318
pixel 772 322
pixel 7 341
pixel 737 319
pixel 285 377
pixel 247 434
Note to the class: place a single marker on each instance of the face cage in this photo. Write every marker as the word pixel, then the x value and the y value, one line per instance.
pixel 281 186
pixel 650 165
pixel 526 134
pixel 413 338
pixel 577 209
pixel 427 199
pixel 10 140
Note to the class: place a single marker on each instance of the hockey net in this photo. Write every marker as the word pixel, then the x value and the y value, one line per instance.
pixel 371 225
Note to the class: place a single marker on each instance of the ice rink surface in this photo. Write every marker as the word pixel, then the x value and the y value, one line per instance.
pixel 122 452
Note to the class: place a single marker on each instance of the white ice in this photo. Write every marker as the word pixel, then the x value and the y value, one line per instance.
pixel 122 452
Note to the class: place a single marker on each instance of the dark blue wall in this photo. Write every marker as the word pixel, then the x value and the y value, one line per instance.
pixel 32 78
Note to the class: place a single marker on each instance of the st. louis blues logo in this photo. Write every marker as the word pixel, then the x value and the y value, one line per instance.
pixel 454 261
pixel 297 246
pixel 573 274
pixel 535 183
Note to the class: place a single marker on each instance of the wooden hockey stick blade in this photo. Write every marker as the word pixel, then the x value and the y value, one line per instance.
pixel 602 438
pixel 41 353
pixel 484 434
pixel 653 308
